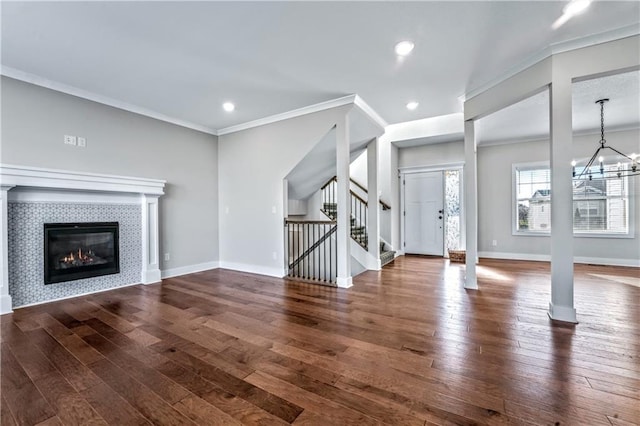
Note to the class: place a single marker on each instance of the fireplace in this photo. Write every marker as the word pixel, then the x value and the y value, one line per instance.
pixel 73 251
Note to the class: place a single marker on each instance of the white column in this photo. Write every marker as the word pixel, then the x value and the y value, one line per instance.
pixel 561 305
pixel 5 298
pixel 150 240
pixel 373 202
pixel 343 239
pixel 471 203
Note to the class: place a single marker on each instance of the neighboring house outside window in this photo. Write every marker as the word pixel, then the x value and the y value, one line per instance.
pixel 600 206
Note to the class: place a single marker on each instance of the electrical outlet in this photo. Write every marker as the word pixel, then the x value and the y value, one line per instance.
pixel 494 243
pixel 275 255
pixel 82 142
pixel 69 140
pixel 167 257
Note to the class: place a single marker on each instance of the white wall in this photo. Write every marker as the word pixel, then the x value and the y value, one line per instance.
pixel 389 186
pixel 495 202
pixel 314 208
pixel 431 155
pixel 34 120
pixel 252 166
pixel 358 169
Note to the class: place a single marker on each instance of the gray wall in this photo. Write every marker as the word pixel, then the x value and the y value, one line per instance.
pixel 495 200
pixel 495 195
pixel 253 164
pixel 34 120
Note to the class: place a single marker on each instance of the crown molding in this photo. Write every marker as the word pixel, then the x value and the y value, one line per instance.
pixel 370 112
pixel 554 49
pixel 322 106
pixel 85 94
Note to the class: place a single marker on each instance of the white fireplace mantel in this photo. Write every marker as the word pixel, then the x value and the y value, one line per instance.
pixel 74 183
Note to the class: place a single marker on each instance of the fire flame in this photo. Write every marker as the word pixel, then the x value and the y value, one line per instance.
pixel 83 257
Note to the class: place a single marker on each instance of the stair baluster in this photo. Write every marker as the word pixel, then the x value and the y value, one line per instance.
pixel 311 255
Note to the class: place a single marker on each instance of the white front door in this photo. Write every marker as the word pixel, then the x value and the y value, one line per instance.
pixel 424 213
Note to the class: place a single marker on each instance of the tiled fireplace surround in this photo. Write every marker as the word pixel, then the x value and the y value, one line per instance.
pixel 29 194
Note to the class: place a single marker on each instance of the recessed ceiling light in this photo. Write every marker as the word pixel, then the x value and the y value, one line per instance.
pixel 412 105
pixel 576 6
pixel 573 8
pixel 404 48
pixel 228 106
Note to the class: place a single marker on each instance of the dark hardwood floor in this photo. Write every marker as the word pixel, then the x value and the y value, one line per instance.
pixel 406 346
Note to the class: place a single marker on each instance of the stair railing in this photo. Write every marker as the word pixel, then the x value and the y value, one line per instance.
pixel 312 253
pixel 359 214
pixel 329 192
pixel 359 219
pixel 384 205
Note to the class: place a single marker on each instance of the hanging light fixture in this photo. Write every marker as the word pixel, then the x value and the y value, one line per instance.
pixel 627 165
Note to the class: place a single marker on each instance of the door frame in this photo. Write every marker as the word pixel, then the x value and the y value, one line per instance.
pixel 403 171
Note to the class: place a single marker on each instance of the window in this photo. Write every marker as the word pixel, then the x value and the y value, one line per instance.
pixel 600 206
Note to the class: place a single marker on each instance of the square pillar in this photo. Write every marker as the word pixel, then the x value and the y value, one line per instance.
pixel 471 204
pixel 561 147
pixel 150 240
pixel 343 237
pixel 373 202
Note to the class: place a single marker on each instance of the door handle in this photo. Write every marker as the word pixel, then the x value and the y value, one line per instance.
pixel 439 217
pixel 440 211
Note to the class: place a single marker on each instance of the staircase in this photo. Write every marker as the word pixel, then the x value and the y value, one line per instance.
pixel 386 256
pixel 358 228
pixel 358 233
pixel 312 253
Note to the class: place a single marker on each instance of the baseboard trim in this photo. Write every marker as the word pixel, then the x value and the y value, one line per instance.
pixel 190 269
pixel 633 263
pixel 253 269
pixel 365 258
pixel 151 276
pixel 562 313
pixel 344 282
pixel 5 304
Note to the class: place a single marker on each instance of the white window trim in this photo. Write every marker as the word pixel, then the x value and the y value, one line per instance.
pixel 514 216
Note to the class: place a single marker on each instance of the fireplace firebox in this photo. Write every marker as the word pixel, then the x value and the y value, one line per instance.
pixel 73 251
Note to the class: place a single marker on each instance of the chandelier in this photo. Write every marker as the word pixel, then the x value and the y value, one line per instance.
pixel 627 165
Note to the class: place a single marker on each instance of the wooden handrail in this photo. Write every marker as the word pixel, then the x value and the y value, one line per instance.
pixel 353 181
pixel 384 205
pixel 312 222
pixel 328 182
pixel 356 196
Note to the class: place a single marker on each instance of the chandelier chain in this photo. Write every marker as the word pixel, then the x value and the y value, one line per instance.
pixel 602 140
pixel 628 166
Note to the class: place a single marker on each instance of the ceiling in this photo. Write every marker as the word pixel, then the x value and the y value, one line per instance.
pixel 529 119
pixel 319 164
pixel 182 60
